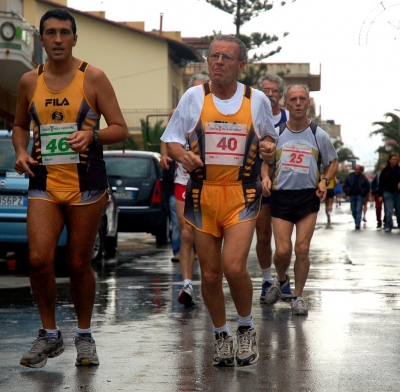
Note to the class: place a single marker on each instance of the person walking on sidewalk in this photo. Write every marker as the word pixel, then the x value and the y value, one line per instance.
pixel 68 183
pixel 389 191
pixel 356 186
pixel 228 125
pixel 272 86
pixel 297 191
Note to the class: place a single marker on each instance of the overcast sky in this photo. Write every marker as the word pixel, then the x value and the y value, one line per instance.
pixel 355 42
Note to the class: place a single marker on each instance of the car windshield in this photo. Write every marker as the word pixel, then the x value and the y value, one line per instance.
pixel 128 166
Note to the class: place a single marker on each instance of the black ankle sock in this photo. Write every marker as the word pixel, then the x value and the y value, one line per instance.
pixel 282 282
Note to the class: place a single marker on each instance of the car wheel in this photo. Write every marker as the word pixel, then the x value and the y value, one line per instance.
pixel 98 247
pixel 110 245
pixel 162 234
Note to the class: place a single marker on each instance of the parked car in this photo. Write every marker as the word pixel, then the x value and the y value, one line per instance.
pixel 13 209
pixel 136 180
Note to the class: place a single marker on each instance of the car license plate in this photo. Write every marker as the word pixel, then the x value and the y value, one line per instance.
pixel 10 201
pixel 125 195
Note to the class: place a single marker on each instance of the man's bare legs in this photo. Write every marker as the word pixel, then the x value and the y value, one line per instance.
pixel 263 247
pixel 328 208
pixel 186 253
pixel 82 225
pixel 282 234
pixel 186 257
pixel 45 223
pixel 264 235
pixel 304 232
pixel 227 258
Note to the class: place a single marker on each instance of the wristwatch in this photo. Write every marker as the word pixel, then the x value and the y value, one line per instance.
pixel 327 180
pixel 95 137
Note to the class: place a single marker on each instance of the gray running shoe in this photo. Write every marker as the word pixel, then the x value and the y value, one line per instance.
pixel 276 291
pixel 43 347
pixel 86 348
pixel 223 350
pixel 299 306
pixel 247 350
pixel 186 297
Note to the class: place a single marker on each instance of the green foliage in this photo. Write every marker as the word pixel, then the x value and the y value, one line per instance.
pixel 244 11
pixel 389 130
pixel 151 135
pixel 344 153
pixel 129 144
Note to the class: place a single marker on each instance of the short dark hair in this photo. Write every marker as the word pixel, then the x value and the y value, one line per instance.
pixel 60 14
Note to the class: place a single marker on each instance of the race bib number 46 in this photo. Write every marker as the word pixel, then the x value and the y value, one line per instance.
pixel 296 157
pixel 225 143
pixel 55 148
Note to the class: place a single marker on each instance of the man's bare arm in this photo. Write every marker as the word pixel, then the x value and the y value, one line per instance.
pixel 21 135
pixel 189 160
pixel 102 98
pixel 267 148
pixel 330 173
pixel 165 159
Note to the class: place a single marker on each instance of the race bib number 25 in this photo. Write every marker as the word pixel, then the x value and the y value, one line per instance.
pixel 296 157
pixel 225 143
pixel 55 148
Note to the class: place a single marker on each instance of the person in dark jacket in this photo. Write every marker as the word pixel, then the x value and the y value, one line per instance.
pixel 357 187
pixel 389 191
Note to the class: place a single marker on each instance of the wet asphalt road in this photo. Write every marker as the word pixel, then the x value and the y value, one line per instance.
pixel 146 341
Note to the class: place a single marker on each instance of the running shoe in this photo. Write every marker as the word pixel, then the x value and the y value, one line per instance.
pixel 276 291
pixel 43 347
pixel 223 350
pixel 86 349
pixel 247 350
pixel 299 306
pixel 186 297
pixel 264 288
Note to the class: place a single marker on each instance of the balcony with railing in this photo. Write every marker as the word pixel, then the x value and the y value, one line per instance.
pixel 20 49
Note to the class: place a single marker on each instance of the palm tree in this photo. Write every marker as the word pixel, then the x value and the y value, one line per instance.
pixel 344 153
pixel 389 130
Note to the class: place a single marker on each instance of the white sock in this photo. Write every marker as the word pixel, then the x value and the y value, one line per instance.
pixel 81 331
pixel 53 333
pixel 245 321
pixel 224 328
pixel 266 275
pixel 188 282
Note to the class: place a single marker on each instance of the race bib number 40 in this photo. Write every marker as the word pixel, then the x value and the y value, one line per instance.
pixel 55 148
pixel 296 157
pixel 225 143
